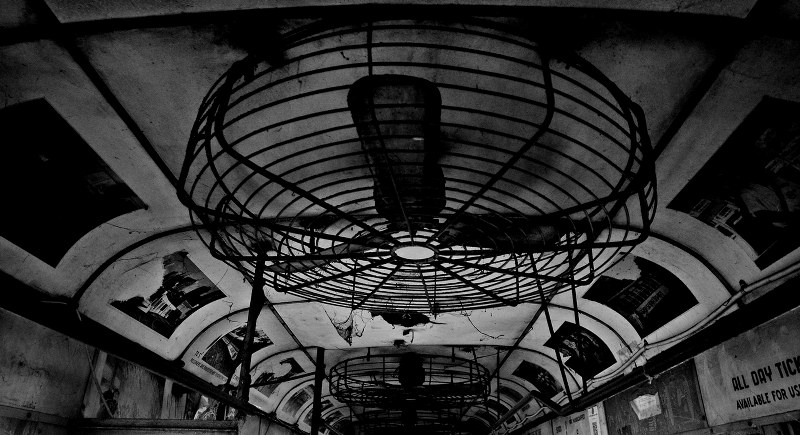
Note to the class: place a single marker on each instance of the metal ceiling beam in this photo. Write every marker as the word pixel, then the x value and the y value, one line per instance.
pixel 39 31
pixel 62 316
pixel 780 300
pixel 731 43
pixel 64 37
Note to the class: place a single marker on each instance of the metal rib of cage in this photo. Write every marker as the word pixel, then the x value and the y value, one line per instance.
pixel 411 165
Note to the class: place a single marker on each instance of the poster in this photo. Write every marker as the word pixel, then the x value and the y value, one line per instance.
pixel 750 189
pixel 754 374
pixel 184 289
pixel 57 187
pixel 298 399
pixel 269 380
pixel 595 417
pixel 588 422
pixel 647 295
pixel 223 354
pixel 573 424
pixel 586 353
pixel 513 395
pixel 539 378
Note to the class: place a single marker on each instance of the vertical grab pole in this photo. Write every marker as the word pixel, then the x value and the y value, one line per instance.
pixel 316 412
pixel 257 300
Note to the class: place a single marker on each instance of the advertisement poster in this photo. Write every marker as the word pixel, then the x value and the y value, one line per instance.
pixel 595 415
pixel 587 354
pixel 754 374
pixel 573 424
pixel 539 378
pixel 647 295
pixel 184 290
pixel 750 189
pixel 269 380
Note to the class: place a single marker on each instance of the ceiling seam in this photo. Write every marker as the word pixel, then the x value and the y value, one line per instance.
pixel 68 41
pixel 696 255
pixel 743 31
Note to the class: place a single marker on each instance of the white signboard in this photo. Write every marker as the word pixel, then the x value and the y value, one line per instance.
pixel 754 374
pixel 542 429
pixel 596 418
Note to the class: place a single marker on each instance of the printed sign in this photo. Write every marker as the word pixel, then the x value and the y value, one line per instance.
pixel 754 374
pixel 646 406
pixel 574 424
pixel 593 415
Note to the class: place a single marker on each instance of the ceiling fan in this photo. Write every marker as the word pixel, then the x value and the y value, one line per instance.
pixel 420 380
pixel 410 165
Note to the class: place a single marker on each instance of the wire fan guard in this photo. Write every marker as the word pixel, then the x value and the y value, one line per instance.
pixel 427 421
pixel 426 381
pixel 410 165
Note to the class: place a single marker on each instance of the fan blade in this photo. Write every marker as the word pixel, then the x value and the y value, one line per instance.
pixel 504 233
pixel 397 119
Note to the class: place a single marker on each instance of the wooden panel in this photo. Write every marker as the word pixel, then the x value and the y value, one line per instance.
pixel 681 407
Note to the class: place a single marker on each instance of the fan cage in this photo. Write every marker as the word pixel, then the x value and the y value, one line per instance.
pixel 375 381
pixel 391 421
pixel 547 169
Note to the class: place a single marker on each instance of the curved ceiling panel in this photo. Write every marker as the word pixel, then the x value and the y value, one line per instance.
pixel 163 294
pixel 43 70
pixel 275 376
pixel 214 353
